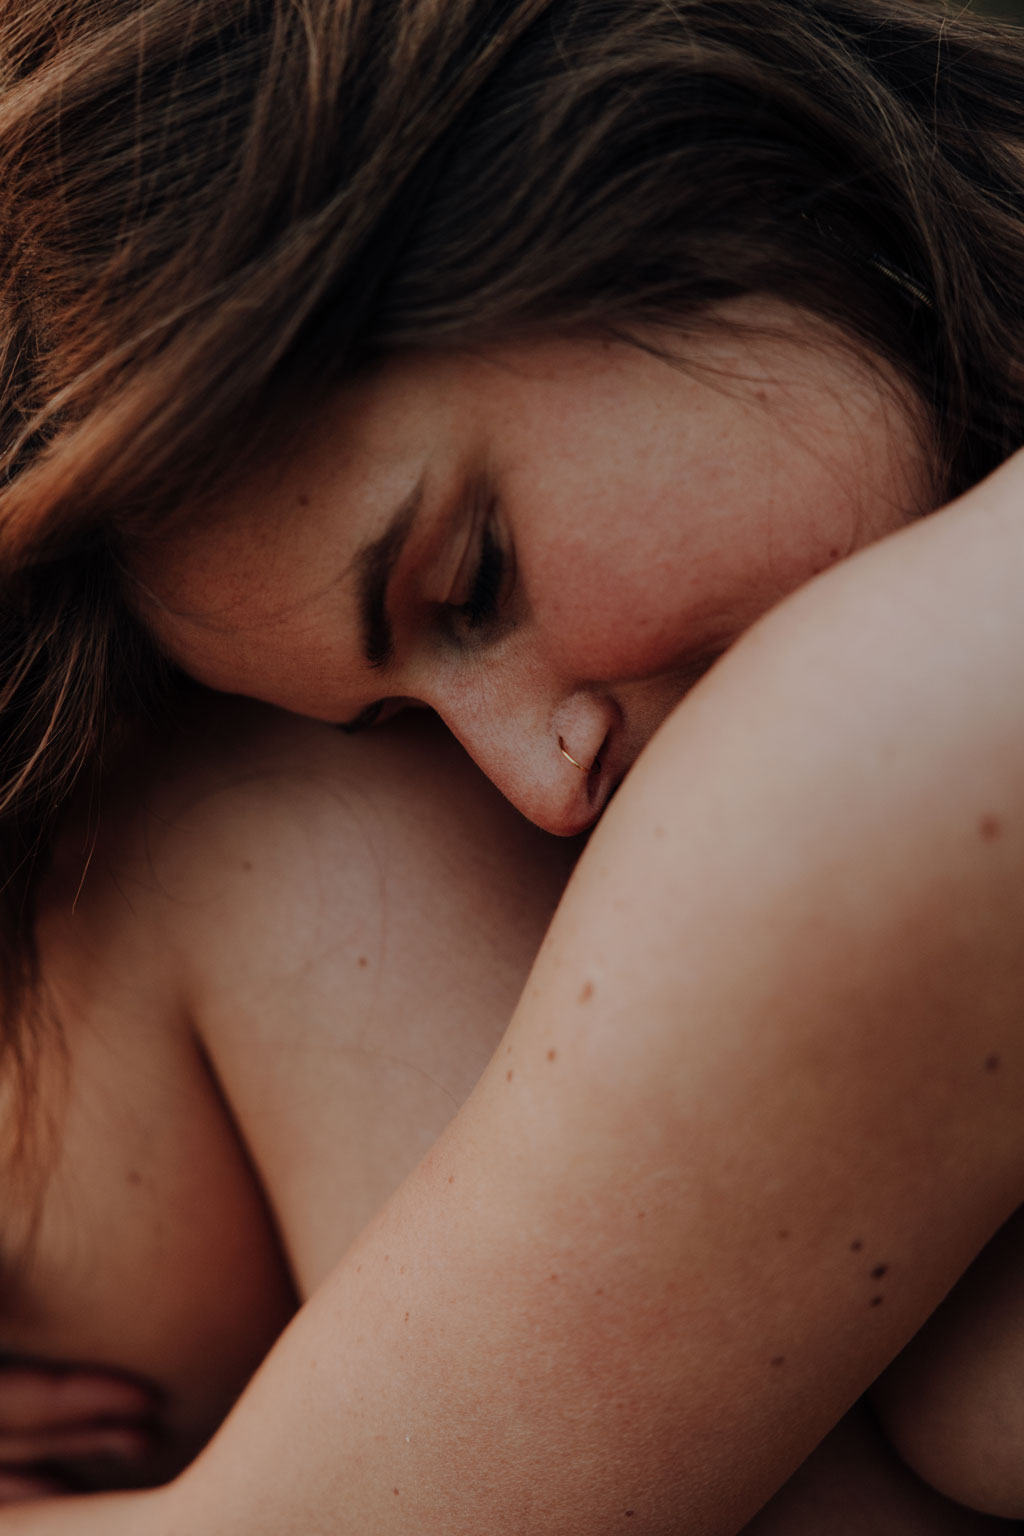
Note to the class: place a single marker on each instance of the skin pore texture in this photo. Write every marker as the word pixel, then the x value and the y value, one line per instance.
pixel 592 527
pixel 741 1135
pixel 746 1093
pixel 263 922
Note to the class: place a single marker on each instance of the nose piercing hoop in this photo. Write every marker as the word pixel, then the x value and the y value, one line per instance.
pixel 595 765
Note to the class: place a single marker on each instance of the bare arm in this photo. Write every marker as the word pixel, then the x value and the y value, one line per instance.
pixel 758 1108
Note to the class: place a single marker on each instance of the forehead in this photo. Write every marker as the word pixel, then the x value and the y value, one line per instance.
pixel 347 455
pixel 275 548
pixel 275 553
pixel 257 593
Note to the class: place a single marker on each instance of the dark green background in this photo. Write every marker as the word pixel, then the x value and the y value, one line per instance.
pixel 1012 8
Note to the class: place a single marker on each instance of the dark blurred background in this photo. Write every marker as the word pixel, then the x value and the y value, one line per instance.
pixel 1014 9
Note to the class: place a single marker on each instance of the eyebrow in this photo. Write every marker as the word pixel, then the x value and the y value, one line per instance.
pixel 374 567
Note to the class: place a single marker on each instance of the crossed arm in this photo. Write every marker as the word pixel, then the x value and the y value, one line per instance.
pixel 757 1110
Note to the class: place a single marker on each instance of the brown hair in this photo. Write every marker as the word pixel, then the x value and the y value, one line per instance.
pixel 210 209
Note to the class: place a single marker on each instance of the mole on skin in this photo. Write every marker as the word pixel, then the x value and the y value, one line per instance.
pixel 989 828
pixel 879 1270
pixel 876 1301
pixel 587 992
pixel 992 1063
pixel 552 1055
pixel 857 1245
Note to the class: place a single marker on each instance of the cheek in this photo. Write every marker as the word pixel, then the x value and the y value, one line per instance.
pixel 683 585
pixel 669 532
pixel 617 614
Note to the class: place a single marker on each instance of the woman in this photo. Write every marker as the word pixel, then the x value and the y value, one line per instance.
pixel 544 350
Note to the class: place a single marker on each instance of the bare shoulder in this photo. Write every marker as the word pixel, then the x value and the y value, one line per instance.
pixel 346 923
pixel 758 1107
pixel 242 837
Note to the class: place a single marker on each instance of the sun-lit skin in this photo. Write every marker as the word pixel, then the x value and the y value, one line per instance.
pixel 646 513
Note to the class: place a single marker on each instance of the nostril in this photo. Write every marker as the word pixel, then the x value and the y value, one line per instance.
pixel 595 766
pixel 585 728
pixel 595 775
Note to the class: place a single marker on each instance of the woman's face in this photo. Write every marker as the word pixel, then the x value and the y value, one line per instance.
pixel 546 542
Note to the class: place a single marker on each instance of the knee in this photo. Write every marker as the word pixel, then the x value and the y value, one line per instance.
pixel 953 1402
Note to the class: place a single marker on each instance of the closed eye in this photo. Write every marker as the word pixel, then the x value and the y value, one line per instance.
pixel 481 606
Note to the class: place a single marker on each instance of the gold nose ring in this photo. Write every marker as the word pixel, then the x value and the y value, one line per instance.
pixel 581 766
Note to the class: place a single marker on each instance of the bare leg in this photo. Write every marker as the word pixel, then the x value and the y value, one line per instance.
pixel 952 1402
pixel 855 1484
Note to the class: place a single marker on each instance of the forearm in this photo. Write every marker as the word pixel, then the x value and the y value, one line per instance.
pixel 765 1073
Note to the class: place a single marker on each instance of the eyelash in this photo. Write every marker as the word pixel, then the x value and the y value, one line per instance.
pixel 481 606
pixel 478 611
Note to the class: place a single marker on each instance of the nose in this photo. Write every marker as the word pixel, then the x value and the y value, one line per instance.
pixel 554 759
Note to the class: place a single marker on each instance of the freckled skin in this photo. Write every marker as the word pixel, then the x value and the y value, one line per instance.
pixel 735 1222
pixel 652 513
